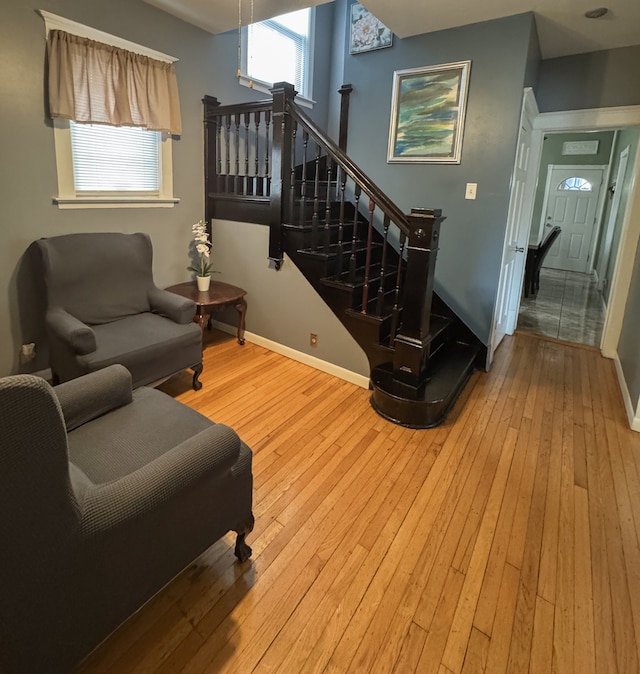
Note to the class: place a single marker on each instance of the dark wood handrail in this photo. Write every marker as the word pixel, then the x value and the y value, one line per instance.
pixel 387 206
pixel 254 106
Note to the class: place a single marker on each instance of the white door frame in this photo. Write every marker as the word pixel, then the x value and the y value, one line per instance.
pixel 595 231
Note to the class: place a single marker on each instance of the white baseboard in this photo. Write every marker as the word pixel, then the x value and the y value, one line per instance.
pixel 305 358
pixel 632 415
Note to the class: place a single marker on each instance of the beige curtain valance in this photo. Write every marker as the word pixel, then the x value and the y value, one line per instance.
pixel 97 83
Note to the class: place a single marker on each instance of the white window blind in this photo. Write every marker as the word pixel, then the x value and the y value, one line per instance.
pixel 115 159
pixel 278 50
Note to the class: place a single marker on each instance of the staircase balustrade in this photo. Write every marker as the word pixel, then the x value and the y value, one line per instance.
pixel 269 162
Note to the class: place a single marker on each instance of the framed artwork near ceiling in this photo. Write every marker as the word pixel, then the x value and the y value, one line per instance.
pixel 427 113
pixel 366 32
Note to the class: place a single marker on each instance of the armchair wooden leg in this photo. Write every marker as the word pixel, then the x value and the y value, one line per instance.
pixel 242 551
pixel 197 371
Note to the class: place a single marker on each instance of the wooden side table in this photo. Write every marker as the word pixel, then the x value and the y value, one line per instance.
pixel 218 297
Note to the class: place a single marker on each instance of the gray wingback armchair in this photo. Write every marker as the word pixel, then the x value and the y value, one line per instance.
pixel 104 308
pixel 105 495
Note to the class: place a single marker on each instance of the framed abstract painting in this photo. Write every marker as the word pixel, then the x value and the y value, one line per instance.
pixel 427 113
pixel 366 32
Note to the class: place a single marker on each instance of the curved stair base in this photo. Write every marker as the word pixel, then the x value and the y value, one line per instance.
pixel 428 404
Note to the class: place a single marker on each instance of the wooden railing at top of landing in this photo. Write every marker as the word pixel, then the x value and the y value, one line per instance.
pixel 270 153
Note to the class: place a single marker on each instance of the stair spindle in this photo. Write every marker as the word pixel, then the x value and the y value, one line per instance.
pixel 316 199
pixel 218 134
pixel 383 267
pixel 246 179
pixel 236 180
pixel 267 174
pixel 292 173
pixel 395 312
pixel 303 184
pixel 343 180
pixel 354 237
pixel 257 188
pixel 367 264
pixel 227 152
pixel 327 208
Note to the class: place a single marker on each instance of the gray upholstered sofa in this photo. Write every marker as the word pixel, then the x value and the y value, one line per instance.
pixel 105 495
pixel 104 308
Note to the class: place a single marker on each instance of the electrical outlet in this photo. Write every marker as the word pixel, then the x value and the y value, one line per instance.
pixel 471 190
pixel 313 340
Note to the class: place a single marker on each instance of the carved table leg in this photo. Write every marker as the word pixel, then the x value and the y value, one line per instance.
pixel 242 310
pixel 197 371
pixel 202 319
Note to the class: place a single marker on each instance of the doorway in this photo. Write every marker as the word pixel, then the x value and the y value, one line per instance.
pixel 626 119
pixel 574 288
pixel 602 119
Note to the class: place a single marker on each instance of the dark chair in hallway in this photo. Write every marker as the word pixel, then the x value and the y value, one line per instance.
pixel 535 258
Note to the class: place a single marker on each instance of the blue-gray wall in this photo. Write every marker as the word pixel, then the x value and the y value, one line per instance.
pixel 471 242
pixel 601 79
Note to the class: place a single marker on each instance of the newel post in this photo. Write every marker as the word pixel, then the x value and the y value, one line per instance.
pixel 344 91
pixel 283 93
pixel 412 342
pixel 210 156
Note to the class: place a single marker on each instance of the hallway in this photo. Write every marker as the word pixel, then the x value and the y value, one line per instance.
pixel 568 306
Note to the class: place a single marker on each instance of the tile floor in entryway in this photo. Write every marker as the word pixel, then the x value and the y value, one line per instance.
pixel 568 306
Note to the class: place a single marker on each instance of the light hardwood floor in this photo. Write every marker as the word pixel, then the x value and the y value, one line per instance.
pixel 506 540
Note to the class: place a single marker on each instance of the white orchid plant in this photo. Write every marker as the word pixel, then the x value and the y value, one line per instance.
pixel 203 248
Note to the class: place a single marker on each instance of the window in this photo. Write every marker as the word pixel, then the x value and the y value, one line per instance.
pixel 109 164
pixel 103 166
pixel 115 159
pixel 576 184
pixel 279 50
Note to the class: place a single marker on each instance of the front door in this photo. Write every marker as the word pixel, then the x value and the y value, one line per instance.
pixel 571 199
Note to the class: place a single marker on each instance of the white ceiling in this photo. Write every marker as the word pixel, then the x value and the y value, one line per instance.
pixel 562 27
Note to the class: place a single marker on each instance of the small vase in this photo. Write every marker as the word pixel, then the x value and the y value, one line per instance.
pixel 203 283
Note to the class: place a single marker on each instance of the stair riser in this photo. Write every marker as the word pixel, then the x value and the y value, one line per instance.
pixel 374 285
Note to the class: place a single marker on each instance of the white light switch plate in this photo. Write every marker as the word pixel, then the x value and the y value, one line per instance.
pixel 470 192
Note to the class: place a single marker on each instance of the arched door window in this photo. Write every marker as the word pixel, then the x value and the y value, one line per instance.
pixel 575 184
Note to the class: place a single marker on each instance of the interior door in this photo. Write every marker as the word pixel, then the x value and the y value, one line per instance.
pixel 572 197
pixel 517 234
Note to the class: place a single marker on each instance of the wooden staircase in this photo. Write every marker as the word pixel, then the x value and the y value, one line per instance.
pixel 371 264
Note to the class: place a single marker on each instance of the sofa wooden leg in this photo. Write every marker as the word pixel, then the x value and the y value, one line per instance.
pixel 197 371
pixel 242 551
